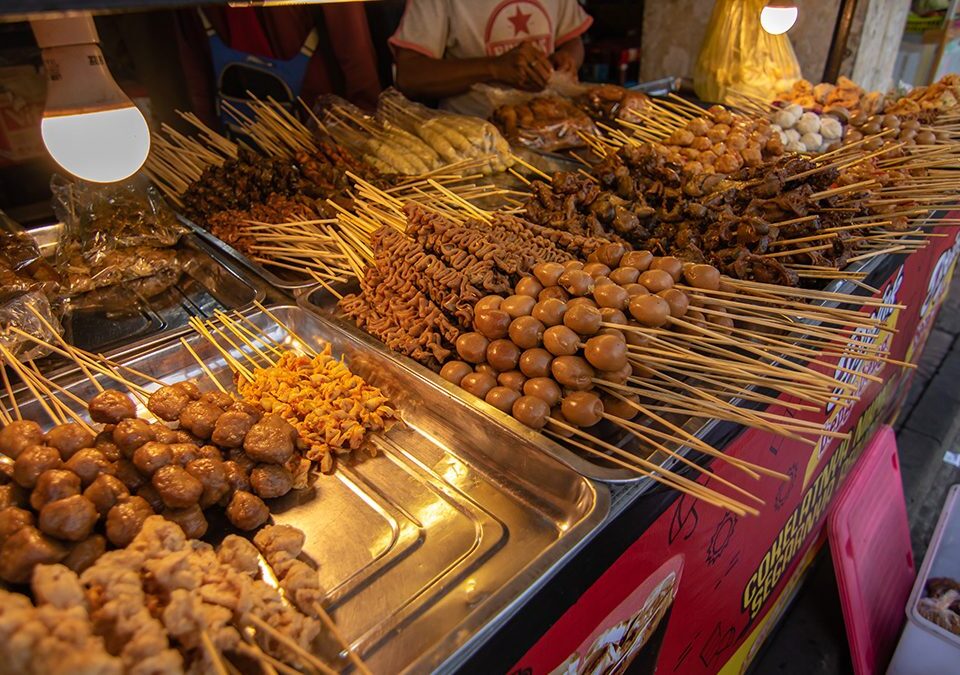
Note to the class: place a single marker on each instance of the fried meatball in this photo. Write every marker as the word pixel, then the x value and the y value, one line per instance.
pixel 88 464
pixel 68 439
pixel 106 491
pixel 218 398
pixel 151 456
pixel 24 550
pixel 183 453
pixel 18 436
pixel 184 436
pixel 270 481
pixel 191 520
pixel 231 428
pixel 242 406
pixel 125 520
pixel 130 434
pixel 149 493
pixel 34 461
pixel 212 474
pixel 200 418
pixel 53 485
pixel 237 478
pixel 85 553
pixel 12 519
pixel 110 406
pixel 270 440
pixel 177 488
pixel 246 511
pixel 164 434
pixel 71 519
pixel 12 494
pixel 210 452
pixel 128 474
pixel 168 402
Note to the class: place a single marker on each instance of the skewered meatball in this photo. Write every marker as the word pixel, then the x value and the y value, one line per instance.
pixel 85 553
pixel 199 418
pixel 231 428
pixel 209 452
pixel 237 478
pixel 177 488
pixel 212 474
pixel 105 492
pixel 183 453
pixel 34 461
pixel 270 481
pixel 270 440
pixel 53 485
pixel 184 436
pixel 88 464
pixel 247 511
pixel 125 520
pixel 12 495
pixel 68 439
pixel 191 520
pixel 163 433
pixel 248 408
pixel 128 474
pixel 151 456
pixel 130 434
pixel 18 436
pixel 220 399
pixel 12 519
pixel 110 406
pixel 168 402
pixel 24 550
pixel 71 519
pixel 149 493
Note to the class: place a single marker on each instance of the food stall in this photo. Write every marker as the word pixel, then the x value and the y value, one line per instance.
pixel 566 390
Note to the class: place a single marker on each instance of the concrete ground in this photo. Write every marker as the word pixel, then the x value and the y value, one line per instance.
pixel 811 639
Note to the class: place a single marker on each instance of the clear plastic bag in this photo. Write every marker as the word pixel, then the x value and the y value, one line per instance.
pixel 546 122
pixel 18 312
pixel 22 266
pixel 611 102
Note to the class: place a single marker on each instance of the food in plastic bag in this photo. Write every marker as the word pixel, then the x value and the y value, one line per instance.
pixel 454 137
pixel 22 267
pixel 547 123
pixel 19 310
pixel 117 266
pixel 942 604
pixel 610 102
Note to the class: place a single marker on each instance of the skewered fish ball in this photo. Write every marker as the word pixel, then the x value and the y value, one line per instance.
pixel 678 300
pixel 478 384
pixel 703 276
pixel 669 264
pixel 611 315
pixel 617 376
pixel 548 273
pixel 544 388
pixel 573 372
pixel 535 362
pixel 639 260
pixel 612 296
pixel 549 312
pixel 636 289
pixel 619 408
pixel 561 341
pixel 554 293
pixel 636 338
pixel 512 379
pixel 528 286
pixel 572 265
pixel 585 301
pixel 576 282
pixel 557 415
pixel 582 408
pixel 649 310
pixel 488 302
pixel 531 411
pixel 455 371
pixel 502 355
pixel 656 280
pixel 602 281
pixel 606 352
pixel 518 305
pixel 596 269
pixel 492 323
pixel 502 398
pixel 625 275
pixel 611 254
pixel 472 347
pixel 583 319
pixel 526 332
pixel 486 369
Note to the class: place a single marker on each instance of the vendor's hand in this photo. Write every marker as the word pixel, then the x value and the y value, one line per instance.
pixel 524 67
pixel 564 62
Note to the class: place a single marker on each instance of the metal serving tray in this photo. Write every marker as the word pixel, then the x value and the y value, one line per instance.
pixel 209 282
pixel 424 550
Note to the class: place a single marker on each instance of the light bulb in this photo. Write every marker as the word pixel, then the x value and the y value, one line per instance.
pixel 778 17
pixel 90 127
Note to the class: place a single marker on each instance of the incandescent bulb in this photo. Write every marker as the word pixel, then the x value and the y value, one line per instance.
pixel 778 17
pixel 102 146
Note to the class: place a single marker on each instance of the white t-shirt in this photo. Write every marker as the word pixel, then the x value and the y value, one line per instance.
pixel 474 28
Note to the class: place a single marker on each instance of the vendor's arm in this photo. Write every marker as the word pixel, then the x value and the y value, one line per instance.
pixel 421 76
pixel 568 57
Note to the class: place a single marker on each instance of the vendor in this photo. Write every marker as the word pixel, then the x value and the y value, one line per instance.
pixel 442 47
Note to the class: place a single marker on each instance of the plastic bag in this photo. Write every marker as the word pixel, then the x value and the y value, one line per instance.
pixel 18 310
pixel 454 137
pixel 739 57
pixel 22 266
pixel 611 102
pixel 547 123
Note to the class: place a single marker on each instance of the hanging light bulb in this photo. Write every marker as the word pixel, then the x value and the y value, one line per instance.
pixel 778 16
pixel 90 127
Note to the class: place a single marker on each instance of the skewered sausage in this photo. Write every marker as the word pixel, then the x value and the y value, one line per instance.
pixel 177 488
pixel 34 461
pixel 106 491
pixel 247 511
pixel 71 519
pixel 18 436
pixel 24 550
pixel 125 520
pixel 53 485
pixel 68 439
pixel 110 406
pixel 88 464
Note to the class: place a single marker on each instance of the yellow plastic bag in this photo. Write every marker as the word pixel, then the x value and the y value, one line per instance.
pixel 739 57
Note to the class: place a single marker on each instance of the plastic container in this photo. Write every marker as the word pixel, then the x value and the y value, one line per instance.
pixel 870 545
pixel 924 646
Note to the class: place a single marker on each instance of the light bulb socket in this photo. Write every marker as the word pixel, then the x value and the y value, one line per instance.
pixel 78 81
pixel 64 31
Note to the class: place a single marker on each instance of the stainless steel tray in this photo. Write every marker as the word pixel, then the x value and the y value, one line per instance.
pixel 427 548
pixel 209 282
pixel 289 283
pixel 319 300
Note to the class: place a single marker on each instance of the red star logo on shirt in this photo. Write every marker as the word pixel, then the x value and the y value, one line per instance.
pixel 520 21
